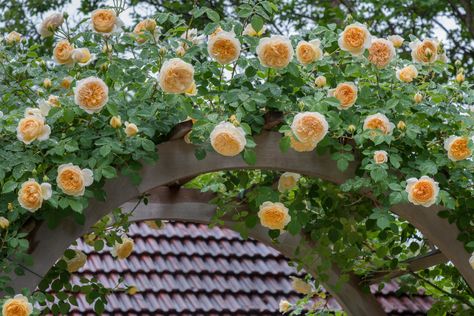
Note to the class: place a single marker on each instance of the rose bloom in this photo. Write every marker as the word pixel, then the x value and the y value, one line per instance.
pixel 273 215
pixel 72 180
pixel 407 74
pixel 124 249
pixel 471 260
pixel 396 40
pixel 155 224
pixel 17 306
pixel 423 191
pixel 288 181
pixel 91 94
pixel 4 223
pixel 458 148
pixel 143 26
pixel 224 47
pixel 309 126
pixel 418 97
pixel 176 76
pixel 320 81
pixel 346 93
pixel 31 128
pixel 355 39
pixel 308 52
pixel 32 194
pixel 460 78
pixel 284 306
pixel 115 122
pixel 275 52
pixel 380 157
pixel 192 91
pixel 192 36
pixel 76 262
pixel 301 146
pixel 82 56
pixel 50 24
pixel 105 21
pixel 249 31
pixel 131 129
pixel 425 51
pixel 379 122
pixel 381 52
pixel 62 53
pixel 301 286
pixel 47 83
pixel 13 37
pixel 227 139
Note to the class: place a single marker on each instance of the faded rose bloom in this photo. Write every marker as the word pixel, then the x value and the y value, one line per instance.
pixel 301 286
pixel 346 93
pixel 355 39
pixel 275 52
pixel 176 76
pixel 50 24
pixel 423 191
pixel 227 139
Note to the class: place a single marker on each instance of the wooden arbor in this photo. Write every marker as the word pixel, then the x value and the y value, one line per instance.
pixel 177 162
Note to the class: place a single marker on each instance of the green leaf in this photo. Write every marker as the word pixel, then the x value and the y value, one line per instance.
pixel 9 186
pixel 148 145
pixel 213 15
pixel 285 144
pixel 76 205
pixel 257 22
pixel 250 156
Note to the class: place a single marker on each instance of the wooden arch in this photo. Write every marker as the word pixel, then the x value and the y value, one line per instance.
pixel 177 162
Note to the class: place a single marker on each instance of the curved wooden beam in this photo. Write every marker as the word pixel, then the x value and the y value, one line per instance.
pixel 177 161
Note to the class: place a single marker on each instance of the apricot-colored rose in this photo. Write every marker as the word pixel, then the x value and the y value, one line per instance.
pixel 275 52
pixel 115 122
pixel 457 148
pixel 17 306
pixel 72 180
pixel 418 97
pixel 32 194
pixel 33 127
pixel 82 56
pixel 346 93
pixel 355 39
pixel 423 191
pixel 380 157
pixel 320 81
pixel 396 40
pixel 379 122
pixel 308 52
pixel 123 249
pixel 227 139
pixel 13 37
pixel 309 127
pixel 131 129
pixel 192 91
pixel 224 47
pixel 381 52
pixel 91 94
pixel 66 82
pixel 298 146
pixel 425 51
pixel 407 74
pixel 145 25
pixel 288 181
pixel 62 53
pixel 104 20
pixel 273 215
pixel 176 76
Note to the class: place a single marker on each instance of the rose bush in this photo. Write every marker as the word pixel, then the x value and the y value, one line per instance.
pixel 341 92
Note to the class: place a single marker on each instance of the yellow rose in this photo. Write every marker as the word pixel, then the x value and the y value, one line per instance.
pixel 378 122
pixel 115 122
pixel 32 194
pixel 4 223
pixel 380 157
pixel 176 76
pixel 104 21
pixel 143 26
pixel 460 78
pixel 82 56
pixel 62 53
pixel 309 126
pixel 50 24
pixel 224 47
pixel 13 37
pixel 72 180
pixel 123 249
pixel 308 52
pixel 301 286
pixel 91 94
pixel 273 215
pixel 346 93
pixel 249 31
pixel 423 191
pixel 407 74
pixel 396 40
pixel 76 262
pixel 192 91
pixel 227 139
pixel 288 181
pixel 17 306
pixel 458 148
pixel 275 52
pixel 284 306
pixel 355 39
pixel 301 146
pixel 131 129
pixel 425 51
pixel 320 81
pixel 31 128
pixel 381 52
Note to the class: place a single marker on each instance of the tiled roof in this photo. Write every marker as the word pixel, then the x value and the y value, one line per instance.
pixel 191 269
